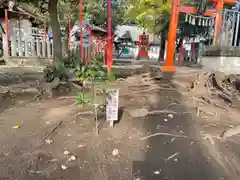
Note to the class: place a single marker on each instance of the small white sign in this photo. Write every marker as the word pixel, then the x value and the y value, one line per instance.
pixel 112 105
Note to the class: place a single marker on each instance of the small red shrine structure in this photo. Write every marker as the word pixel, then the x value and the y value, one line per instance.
pixel 143 46
pixel 176 9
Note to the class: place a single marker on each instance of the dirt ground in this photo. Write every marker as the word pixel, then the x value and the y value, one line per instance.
pixel 177 139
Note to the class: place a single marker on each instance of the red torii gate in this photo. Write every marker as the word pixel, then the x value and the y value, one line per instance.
pixel 176 9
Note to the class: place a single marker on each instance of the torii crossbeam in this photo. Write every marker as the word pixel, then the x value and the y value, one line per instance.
pixel 176 9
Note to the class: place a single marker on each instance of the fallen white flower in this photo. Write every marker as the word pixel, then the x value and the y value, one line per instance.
pixel 66 152
pixel 170 115
pixel 48 141
pixel 115 152
pixel 72 158
pixel 63 167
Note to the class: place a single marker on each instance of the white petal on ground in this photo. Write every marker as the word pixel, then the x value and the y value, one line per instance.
pixel 115 152
pixel 72 158
pixel 63 167
pixel 81 145
pixel 48 141
pixel 66 152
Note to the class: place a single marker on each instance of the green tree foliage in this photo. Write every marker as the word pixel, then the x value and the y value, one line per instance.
pixel 61 12
pixel 154 16
pixel 96 12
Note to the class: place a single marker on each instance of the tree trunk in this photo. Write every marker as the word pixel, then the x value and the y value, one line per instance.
pixel 57 43
pixel 162 48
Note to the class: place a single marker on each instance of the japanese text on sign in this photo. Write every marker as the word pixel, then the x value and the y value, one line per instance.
pixel 112 105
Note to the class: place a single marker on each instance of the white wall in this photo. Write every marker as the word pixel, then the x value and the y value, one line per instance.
pixel 154 52
pixel 14 24
pixel 228 65
pixel 24 25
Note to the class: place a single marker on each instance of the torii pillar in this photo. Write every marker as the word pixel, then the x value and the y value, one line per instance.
pixel 219 8
pixel 176 9
pixel 172 37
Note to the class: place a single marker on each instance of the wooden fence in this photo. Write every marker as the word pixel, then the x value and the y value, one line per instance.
pixel 30 48
pixel 36 47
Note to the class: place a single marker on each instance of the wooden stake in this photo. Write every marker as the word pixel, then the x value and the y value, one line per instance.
pixel 95 107
pixel 111 123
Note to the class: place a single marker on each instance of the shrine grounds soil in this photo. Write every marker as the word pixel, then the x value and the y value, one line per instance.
pixel 173 142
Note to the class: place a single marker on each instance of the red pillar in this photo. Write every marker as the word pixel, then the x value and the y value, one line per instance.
pixel 172 36
pixel 6 24
pixel 81 35
pixel 44 32
pixel 89 37
pixel 109 42
pixel 105 49
pixel 218 23
pixel 45 36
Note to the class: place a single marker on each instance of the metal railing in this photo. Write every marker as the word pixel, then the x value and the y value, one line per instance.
pixel 230 34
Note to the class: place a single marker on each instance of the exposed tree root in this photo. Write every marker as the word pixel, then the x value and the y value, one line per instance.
pixel 230 132
pixel 208 85
pixel 52 130
pixel 163 134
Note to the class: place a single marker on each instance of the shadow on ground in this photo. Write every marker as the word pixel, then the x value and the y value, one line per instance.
pixel 170 157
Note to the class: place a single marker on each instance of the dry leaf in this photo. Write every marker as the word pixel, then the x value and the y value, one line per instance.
pixel 16 127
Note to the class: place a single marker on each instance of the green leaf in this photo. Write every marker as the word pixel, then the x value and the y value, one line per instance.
pixel 78 100
pixel 86 95
pixel 111 76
